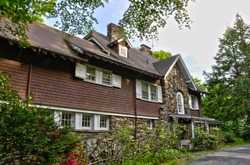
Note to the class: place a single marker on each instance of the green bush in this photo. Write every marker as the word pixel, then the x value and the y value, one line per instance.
pixel 229 137
pixel 150 147
pixel 207 141
pixel 246 132
pixel 29 135
pixel 157 158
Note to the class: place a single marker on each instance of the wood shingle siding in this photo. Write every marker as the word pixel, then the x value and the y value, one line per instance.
pixel 147 108
pixel 18 74
pixel 59 88
pixel 56 86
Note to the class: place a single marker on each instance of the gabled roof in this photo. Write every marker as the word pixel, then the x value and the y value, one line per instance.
pixel 165 66
pixel 46 38
pixel 136 58
pixel 67 46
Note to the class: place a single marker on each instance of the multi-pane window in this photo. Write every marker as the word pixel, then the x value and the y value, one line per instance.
pixel 67 119
pixel 106 77
pixel 180 103
pixel 153 92
pixel 148 91
pixel 103 121
pixel 194 101
pixel 91 73
pixel 81 121
pixel 97 75
pixel 87 120
pixel 145 92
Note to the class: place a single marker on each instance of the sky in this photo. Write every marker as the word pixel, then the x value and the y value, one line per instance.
pixel 197 45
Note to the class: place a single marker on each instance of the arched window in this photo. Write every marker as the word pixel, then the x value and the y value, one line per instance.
pixel 180 103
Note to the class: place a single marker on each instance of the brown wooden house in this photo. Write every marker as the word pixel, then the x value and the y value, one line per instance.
pixel 93 84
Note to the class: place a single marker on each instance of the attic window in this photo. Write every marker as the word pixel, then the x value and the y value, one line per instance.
pixel 123 51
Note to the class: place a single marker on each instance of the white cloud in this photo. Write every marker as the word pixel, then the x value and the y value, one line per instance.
pixel 199 45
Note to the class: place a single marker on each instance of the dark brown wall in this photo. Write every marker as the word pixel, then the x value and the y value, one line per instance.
pixel 18 74
pixel 147 108
pixel 54 85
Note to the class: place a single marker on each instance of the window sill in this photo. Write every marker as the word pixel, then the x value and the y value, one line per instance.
pixel 195 109
pixel 91 131
pixel 93 82
pixel 180 113
pixel 151 101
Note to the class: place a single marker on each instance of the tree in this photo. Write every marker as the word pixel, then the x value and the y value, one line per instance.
pixel 29 135
pixel 142 19
pixel 229 81
pixel 24 12
pixel 161 54
pixel 201 86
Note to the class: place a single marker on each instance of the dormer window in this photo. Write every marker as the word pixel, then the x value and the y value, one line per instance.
pixel 123 51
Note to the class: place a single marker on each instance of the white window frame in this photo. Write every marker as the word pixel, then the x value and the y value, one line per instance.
pixel 87 76
pixel 110 74
pixel 139 93
pixel 81 71
pixel 194 102
pixel 147 88
pixel 60 118
pixel 179 97
pixel 156 93
pixel 123 51
pixel 91 121
pixel 97 123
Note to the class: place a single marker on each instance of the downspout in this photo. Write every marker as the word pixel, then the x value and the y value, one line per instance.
pixel 28 83
pixel 135 109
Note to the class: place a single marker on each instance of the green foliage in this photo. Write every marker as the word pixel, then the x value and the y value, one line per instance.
pixel 24 12
pixel 29 135
pixel 229 82
pixel 207 141
pixel 161 54
pixel 162 156
pixel 229 136
pixel 200 85
pixel 120 146
pixel 76 16
pixel 142 19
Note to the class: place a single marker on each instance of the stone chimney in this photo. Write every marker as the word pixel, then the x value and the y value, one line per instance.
pixel 114 32
pixel 146 49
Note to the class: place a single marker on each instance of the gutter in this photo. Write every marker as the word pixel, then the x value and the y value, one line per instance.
pixel 28 82
pixel 135 108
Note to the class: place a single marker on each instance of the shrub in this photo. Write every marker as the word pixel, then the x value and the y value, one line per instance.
pixel 229 137
pixel 150 146
pixel 29 135
pixel 207 141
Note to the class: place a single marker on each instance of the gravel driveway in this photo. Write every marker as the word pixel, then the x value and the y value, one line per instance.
pixel 230 156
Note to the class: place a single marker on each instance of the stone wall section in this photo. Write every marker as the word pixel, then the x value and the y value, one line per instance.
pixel 173 83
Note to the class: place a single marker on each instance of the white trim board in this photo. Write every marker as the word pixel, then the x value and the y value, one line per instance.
pixel 91 112
pixel 171 67
pixel 98 44
pixel 185 68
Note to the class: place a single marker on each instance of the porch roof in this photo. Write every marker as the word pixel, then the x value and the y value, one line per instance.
pixel 211 120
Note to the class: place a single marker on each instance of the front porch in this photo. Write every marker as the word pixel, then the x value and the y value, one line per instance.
pixel 188 124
